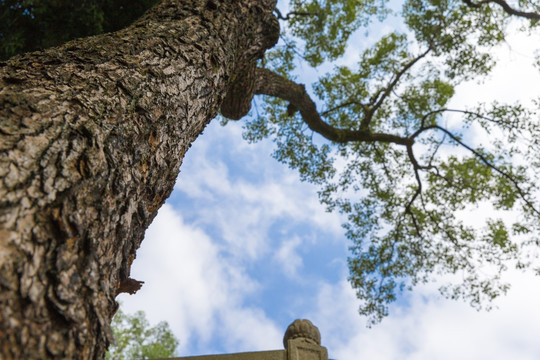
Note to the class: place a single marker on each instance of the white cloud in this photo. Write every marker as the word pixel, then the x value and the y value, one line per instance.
pixel 513 80
pixel 288 258
pixel 249 328
pixel 189 284
pixel 242 208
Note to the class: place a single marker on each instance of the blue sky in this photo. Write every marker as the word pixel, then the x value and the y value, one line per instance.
pixel 242 248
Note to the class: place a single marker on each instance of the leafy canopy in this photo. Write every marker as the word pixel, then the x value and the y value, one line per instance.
pixel 406 200
pixel 136 339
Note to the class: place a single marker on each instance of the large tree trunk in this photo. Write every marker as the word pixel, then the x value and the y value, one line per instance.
pixel 92 135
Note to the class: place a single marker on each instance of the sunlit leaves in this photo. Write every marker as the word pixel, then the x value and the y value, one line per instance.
pixel 457 33
pixel 136 339
pixel 377 66
pixel 325 25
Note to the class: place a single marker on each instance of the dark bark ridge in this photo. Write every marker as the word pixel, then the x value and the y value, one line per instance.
pixel 92 135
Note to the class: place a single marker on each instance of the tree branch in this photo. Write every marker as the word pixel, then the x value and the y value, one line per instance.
pixel 378 99
pixel 506 7
pixel 272 84
pixel 342 105
pixel 280 16
pixel 485 161
pixel 439 111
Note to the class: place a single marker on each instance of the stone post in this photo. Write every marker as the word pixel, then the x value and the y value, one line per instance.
pixel 302 341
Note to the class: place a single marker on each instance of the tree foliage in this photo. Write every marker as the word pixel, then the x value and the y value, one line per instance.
pixel 381 148
pixel 136 339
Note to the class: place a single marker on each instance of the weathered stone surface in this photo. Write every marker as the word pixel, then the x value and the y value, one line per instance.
pixel 256 355
pixel 302 329
pixel 299 349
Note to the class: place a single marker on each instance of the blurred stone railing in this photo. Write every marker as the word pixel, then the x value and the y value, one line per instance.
pixel 302 341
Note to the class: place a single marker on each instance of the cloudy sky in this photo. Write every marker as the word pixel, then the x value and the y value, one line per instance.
pixel 242 248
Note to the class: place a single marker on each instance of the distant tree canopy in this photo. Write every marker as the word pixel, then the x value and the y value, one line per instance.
pixel 136 339
pixel 29 25
pixel 378 139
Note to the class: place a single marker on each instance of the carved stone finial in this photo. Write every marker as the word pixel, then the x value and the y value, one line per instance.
pixel 304 329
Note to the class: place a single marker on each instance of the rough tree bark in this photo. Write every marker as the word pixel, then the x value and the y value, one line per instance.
pixel 92 135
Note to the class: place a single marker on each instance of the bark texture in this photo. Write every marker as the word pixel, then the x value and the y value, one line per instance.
pixel 92 135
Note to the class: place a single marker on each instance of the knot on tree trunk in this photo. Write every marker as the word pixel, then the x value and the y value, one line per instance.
pixel 237 101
